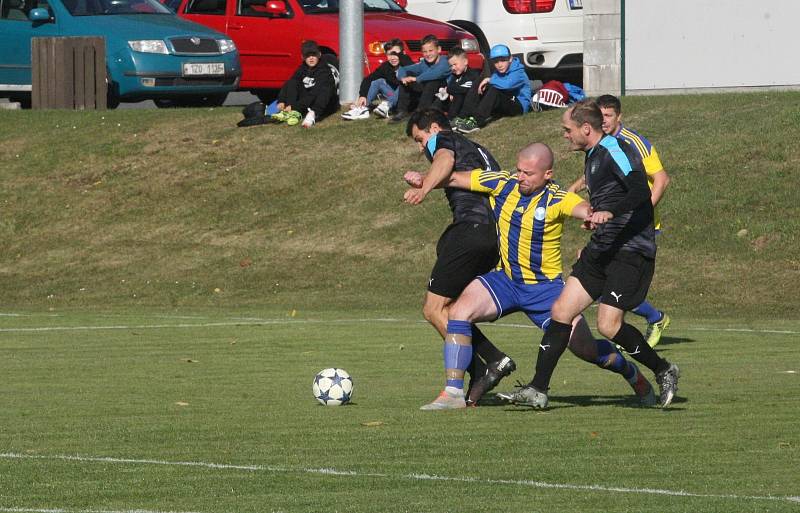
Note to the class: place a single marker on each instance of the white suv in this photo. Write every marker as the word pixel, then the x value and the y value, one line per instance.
pixel 546 35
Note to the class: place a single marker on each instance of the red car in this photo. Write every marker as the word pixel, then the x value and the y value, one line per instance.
pixel 268 33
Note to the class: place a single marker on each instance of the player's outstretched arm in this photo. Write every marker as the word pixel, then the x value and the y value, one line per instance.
pixel 441 167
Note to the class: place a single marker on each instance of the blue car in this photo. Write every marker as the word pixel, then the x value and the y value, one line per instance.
pixel 151 54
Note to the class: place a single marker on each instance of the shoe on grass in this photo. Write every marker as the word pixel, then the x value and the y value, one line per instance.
pixel 668 382
pixel 446 401
pixel 526 395
pixel 656 329
pixel 293 118
pixel 495 371
pixel 642 388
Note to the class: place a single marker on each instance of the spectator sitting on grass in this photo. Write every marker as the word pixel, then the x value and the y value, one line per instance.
pixel 420 82
pixel 383 81
pixel 311 90
pixel 506 93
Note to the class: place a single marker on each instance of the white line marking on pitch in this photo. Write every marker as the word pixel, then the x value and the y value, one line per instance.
pixel 267 322
pixel 62 510
pixel 412 477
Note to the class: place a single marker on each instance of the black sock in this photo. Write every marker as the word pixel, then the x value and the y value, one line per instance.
pixel 554 342
pixel 481 345
pixel 632 341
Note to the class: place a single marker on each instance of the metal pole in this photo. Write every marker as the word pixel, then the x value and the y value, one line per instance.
pixel 622 47
pixel 351 49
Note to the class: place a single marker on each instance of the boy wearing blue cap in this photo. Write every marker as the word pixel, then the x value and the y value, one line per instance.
pixel 506 93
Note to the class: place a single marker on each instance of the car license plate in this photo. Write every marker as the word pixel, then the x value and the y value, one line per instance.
pixel 191 69
pixel 576 4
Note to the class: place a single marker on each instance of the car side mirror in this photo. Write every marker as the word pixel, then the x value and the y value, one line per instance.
pixel 40 14
pixel 276 8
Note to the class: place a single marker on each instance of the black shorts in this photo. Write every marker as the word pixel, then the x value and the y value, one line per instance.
pixel 464 251
pixel 621 281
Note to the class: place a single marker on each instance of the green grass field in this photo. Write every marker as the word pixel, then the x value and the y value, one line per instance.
pixel 213 413
pixel 171 284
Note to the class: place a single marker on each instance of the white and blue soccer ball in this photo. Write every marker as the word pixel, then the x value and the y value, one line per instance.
pixel 333 386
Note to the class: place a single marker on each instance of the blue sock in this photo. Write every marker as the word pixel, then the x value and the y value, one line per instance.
pixel 457 356
pixel 609 357
pixel 649 312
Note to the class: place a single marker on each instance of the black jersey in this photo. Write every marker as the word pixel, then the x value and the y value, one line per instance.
pixel 617 183
pixel 467 206
pixel 461 84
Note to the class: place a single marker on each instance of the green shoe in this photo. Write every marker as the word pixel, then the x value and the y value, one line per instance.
pixel 293 118
pixel 469 126
pixel 655 330
pixel 280 117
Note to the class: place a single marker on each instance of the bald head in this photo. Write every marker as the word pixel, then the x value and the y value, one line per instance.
pixel 539 152
pixel 534 168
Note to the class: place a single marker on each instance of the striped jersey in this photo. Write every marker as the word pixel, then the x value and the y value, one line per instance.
pixel 649 155
pixel 529 227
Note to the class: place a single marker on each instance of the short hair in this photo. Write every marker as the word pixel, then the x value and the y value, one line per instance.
pixel 430 38
pixel 540 151
pixel 388 45
pixel 423 119
pixel 587 111
pixel 456 51
pixel 608 101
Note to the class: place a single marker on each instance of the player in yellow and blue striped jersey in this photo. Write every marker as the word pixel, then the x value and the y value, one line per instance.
pixel 530 211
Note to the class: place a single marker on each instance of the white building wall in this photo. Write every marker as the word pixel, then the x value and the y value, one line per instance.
pixel 696 45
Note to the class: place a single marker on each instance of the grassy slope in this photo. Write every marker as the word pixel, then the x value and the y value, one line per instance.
pixel 180 208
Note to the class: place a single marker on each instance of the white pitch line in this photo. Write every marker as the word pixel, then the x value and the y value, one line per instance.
pixel 409 477
pixel 268 322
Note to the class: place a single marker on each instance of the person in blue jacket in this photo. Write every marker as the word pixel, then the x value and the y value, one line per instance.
pixel 420 82
pixel 506 93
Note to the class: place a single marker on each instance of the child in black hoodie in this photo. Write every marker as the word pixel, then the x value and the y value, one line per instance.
pixel 383 81
pixel 462 80
pixel 311 90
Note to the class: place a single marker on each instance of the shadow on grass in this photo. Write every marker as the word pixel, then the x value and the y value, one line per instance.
pixel 571 401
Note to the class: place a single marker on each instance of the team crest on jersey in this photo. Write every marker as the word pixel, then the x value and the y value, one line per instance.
pixel 593 168
pixel 539 213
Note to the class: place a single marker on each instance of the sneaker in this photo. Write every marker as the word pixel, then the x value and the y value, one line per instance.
pixel 526 395
pixel 280 117
pixel 446 401
pixel 356 113
pixel 642 388
pixel 399 117
pixel 656 329
pixel 310 119
pixel 668 381
pixel 382 109
pixel 293 118
pixel 494 373
pixel 468 126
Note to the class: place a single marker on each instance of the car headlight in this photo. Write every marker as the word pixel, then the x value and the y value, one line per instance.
pixel 226 45
pixel 375 48
pixel 149 46
pixel 470 45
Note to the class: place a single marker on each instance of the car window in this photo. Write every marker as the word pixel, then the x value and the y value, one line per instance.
pixel 19 9
pixel 206 7
pixel 321 6
pixel 255 8
pixel 110 7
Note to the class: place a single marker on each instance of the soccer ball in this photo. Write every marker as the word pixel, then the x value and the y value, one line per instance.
pixel 333 386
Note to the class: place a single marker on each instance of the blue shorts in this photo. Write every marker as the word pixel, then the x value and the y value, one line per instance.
pixel 534 300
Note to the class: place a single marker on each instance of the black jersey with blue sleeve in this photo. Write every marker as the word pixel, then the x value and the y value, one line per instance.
pixel 467 206
pixel 617 183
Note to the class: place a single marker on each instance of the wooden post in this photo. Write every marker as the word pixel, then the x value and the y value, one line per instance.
pixel 68 73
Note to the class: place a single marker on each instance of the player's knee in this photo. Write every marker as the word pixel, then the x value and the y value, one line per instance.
pixel 608 327
pixel 433 313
